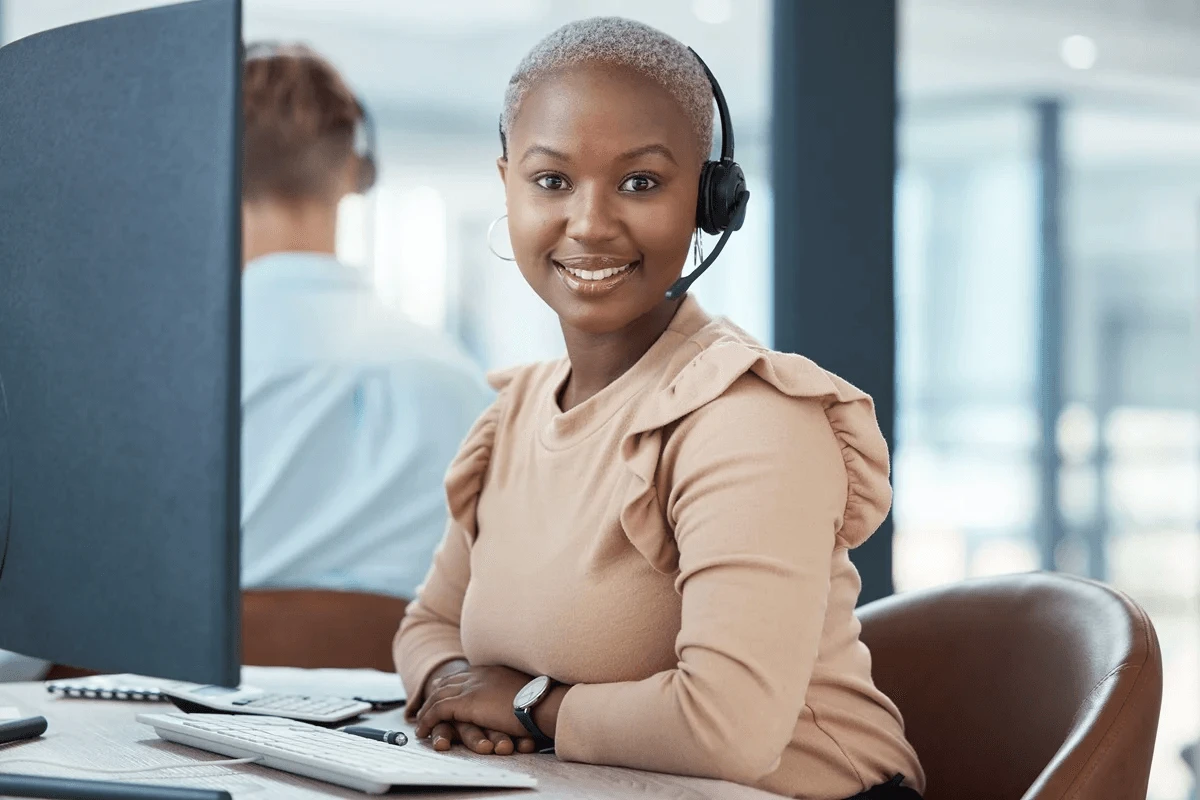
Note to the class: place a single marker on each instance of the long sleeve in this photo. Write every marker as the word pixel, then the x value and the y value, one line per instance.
pixel 758 490
pixel 429 634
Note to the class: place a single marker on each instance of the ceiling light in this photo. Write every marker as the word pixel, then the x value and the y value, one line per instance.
pixel 714 12
pixel 1078 52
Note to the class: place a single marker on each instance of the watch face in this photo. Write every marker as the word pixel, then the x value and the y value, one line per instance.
pixel 532 692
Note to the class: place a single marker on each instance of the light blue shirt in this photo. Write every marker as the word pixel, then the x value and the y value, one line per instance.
pixel 350 416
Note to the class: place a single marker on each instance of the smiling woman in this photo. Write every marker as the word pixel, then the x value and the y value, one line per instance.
pixel 610 185
pixel 627 521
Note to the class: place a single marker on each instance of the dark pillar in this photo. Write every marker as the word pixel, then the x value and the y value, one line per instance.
pixel 1050 531
pixel 833 174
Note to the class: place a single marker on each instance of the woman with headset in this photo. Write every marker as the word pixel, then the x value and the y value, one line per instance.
pixel 647 561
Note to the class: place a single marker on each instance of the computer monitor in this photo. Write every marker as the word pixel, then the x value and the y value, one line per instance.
pixel 120 263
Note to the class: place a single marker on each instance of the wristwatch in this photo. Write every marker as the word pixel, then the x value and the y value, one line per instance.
pixel 526 700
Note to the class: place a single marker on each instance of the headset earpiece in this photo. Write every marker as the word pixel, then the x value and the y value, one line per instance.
pixel 367 173
pixel 722 184
pixel 365 148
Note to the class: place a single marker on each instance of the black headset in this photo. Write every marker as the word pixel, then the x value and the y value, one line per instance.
pixel 721 203
pixel 365 136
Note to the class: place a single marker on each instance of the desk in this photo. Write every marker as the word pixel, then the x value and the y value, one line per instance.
pixel 104 734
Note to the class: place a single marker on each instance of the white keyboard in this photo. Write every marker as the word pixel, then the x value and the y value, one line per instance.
pixel 328 755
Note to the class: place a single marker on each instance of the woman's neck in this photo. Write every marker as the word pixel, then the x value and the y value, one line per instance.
pixel 276 227
pixel 599 359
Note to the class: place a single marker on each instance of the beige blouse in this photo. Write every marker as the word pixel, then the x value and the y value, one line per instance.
pixel 676 549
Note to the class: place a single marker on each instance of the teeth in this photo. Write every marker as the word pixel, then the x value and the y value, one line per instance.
pixel 597 275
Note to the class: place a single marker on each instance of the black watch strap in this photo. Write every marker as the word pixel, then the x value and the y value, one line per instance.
pixel 543 742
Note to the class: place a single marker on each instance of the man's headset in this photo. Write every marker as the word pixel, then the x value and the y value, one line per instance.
pixel 721 203
pixel 365 138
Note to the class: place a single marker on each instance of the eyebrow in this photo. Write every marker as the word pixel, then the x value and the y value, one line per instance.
pixel 543 150
pixel 645 150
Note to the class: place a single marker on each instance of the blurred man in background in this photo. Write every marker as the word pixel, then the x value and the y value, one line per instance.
pixel 351 414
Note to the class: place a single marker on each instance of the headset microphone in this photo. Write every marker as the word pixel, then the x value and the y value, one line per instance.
pixel 680 287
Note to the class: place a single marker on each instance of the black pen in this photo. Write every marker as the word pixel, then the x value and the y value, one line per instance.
pixel 17 729
pixel 391 737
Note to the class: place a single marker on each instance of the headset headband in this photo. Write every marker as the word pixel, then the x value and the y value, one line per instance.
pixel 722 110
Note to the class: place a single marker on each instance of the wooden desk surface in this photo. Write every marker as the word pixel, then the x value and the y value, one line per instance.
pixel 105 735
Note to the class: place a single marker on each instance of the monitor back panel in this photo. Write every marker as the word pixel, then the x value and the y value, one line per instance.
pixel 119 320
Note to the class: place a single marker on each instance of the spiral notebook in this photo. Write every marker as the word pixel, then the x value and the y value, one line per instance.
pixel 112 687
pixel 380 689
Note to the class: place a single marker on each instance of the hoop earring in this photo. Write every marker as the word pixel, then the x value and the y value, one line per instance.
pixel 491 228
pixel 697 249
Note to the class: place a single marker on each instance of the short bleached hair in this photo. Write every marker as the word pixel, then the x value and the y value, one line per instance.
pixel 623 43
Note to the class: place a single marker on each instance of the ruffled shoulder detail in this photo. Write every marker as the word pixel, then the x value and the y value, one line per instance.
pixel 499 379
pixel 727 354
pixel 464 479
pixel 468 471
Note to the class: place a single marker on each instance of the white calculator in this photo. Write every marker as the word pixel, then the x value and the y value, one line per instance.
pixel 320 709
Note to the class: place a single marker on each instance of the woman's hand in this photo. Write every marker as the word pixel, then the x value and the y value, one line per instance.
pixel 473 705
pixel 484 742
pixel 479 740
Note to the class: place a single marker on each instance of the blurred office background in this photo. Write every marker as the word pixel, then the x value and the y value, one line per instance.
pixel 1047 259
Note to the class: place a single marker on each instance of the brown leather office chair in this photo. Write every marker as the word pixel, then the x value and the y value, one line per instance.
pixel 318 628
pixel 308 628
pixel 1023 687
